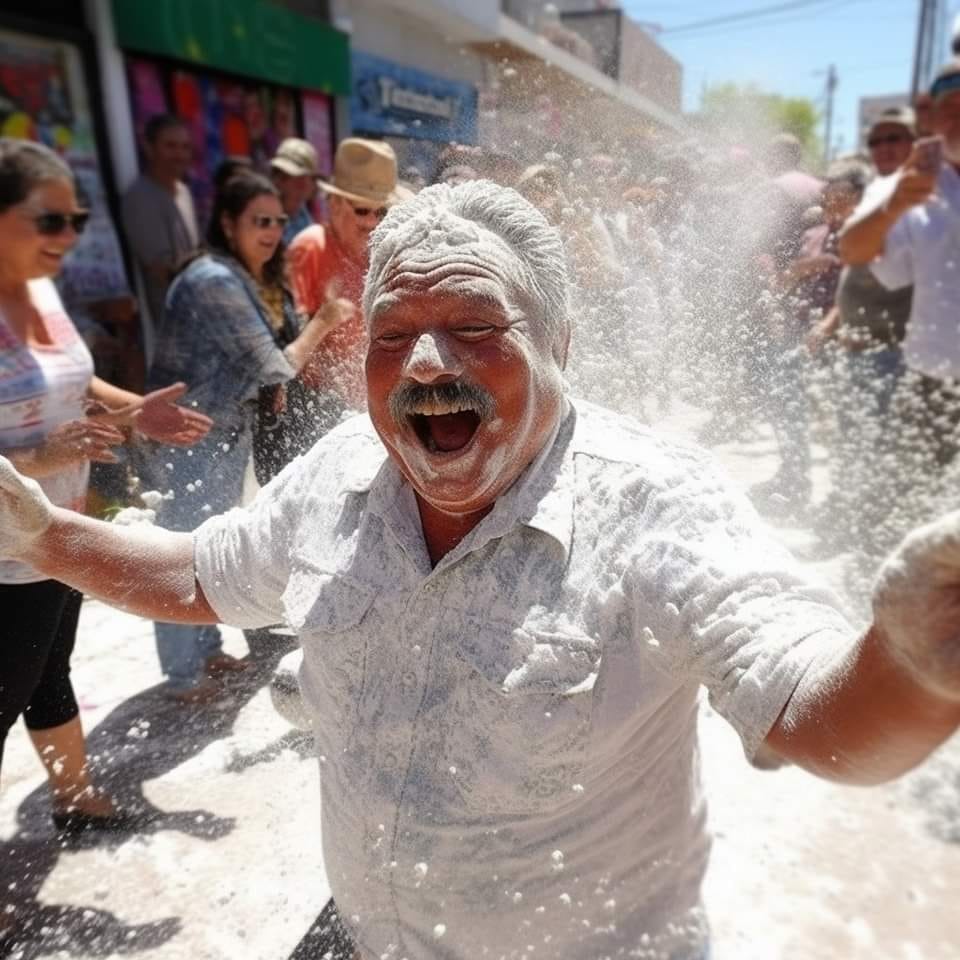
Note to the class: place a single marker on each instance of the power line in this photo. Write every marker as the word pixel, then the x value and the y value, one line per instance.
pixel 823 16
pixel 752 14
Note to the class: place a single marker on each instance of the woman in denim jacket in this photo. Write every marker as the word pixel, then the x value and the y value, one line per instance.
pixel 229 331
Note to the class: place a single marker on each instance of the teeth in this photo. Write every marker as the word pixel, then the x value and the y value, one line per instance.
pixel 438 409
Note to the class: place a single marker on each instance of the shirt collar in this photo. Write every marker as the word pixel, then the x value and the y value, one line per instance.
pixel 544 493
pixel 542 498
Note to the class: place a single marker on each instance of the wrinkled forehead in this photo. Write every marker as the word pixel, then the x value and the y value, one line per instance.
pixel 448 254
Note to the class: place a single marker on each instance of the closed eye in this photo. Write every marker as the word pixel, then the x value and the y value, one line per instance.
pixel 474 331
pixel 392 339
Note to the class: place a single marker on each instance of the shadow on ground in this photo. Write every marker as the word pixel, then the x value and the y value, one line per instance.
pixel 142 739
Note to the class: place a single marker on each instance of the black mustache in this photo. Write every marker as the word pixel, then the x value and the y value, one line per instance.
pixel 406 398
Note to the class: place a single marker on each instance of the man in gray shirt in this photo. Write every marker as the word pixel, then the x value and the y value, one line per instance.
pixel 158 215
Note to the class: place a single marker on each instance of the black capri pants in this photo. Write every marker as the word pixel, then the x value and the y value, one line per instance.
pixel 38 626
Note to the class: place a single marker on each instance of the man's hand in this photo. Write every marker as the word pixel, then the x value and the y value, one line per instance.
pixel 333 314
pixel 917 179
pixel 916 606
pixel 86 438
pixel 158 417
pixel 25 511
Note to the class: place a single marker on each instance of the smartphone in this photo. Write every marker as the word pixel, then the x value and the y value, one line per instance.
pixel 929 154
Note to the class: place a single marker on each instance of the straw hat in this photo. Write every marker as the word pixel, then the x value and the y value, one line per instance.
pixel 365 172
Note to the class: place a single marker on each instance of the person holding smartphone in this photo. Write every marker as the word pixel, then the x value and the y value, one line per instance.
pixel 911 237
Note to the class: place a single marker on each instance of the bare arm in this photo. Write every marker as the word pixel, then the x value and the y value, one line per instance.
pixel 873 711
pixel 330 315
pixel 805 267
pixel 69 443
pixel 138 568
pixel 864 238
pixel 155 415
pixel 824 330
pixel 861 718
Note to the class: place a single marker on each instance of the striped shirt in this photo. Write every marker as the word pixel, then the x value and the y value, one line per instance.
pixel 41 387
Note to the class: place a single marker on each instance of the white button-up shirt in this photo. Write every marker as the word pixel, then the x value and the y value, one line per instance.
pixel 923 249
pixel 508 740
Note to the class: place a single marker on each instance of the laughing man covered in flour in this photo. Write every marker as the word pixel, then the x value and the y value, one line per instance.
pixel 507 600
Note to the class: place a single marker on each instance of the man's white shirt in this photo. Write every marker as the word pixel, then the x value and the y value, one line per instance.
pixel 922 249
pixel 507 741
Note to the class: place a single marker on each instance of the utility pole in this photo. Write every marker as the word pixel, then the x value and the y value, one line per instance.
pixel 832 83
pixel 925 54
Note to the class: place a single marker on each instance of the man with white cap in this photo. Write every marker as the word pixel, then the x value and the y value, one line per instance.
pixel 294 170
pixel 909 238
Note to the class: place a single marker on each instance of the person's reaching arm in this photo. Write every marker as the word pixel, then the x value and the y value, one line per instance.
pixel 875 709
pixel 139 568
pixel 864 235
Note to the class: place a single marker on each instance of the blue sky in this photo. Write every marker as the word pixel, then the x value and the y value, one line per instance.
pixel 870 42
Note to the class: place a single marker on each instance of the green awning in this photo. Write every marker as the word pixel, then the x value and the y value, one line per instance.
pixel 255 38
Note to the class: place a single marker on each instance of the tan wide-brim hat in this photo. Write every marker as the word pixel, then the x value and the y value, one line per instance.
pixel 365 172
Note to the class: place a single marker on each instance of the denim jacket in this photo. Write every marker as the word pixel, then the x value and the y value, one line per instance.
pixel 216 337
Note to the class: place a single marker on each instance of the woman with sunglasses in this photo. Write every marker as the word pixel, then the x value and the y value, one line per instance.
pixel 56 418
pixel 229 329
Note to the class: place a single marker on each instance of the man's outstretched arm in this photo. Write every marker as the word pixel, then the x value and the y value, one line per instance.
pixel 141 569
pixel 864 236
pixel 873 711
pixel 861 718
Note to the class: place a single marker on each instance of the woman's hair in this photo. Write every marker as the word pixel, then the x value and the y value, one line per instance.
pixel 24 165
pixel 233 197
pixel 229 168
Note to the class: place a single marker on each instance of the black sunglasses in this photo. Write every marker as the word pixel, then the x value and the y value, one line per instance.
pixel 378 212
pixel 52 224
pixel 889 138
pixel 263 222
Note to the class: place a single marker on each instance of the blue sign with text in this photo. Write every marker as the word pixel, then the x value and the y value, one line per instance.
pixel 393 100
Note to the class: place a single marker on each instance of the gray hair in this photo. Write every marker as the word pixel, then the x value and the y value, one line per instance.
pixel 504 213
pixel 850 173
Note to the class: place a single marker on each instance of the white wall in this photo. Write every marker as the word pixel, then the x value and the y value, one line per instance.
pixel 116 102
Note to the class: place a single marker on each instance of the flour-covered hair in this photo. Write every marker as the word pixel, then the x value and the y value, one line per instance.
pixel 505 214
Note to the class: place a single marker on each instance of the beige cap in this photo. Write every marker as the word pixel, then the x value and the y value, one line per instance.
pixel 296 157
pixel 896 116
pixel 365 172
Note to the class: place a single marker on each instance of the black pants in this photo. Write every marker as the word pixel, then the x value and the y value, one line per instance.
pixel 38 626
pixel 326 939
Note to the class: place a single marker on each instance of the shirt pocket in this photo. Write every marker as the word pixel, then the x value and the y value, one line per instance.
pixel 329 612
pixel 521 730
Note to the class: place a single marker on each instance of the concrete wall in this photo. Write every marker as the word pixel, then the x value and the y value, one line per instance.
pixel 388 32
pixel 648 68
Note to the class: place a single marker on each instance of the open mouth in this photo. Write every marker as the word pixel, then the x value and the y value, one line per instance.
pixel 445 427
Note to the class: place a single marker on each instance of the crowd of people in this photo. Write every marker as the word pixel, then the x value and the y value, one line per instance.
pixel 507 597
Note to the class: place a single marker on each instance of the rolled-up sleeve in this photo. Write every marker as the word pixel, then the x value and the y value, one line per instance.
pixel 241 558
pixel 724 605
